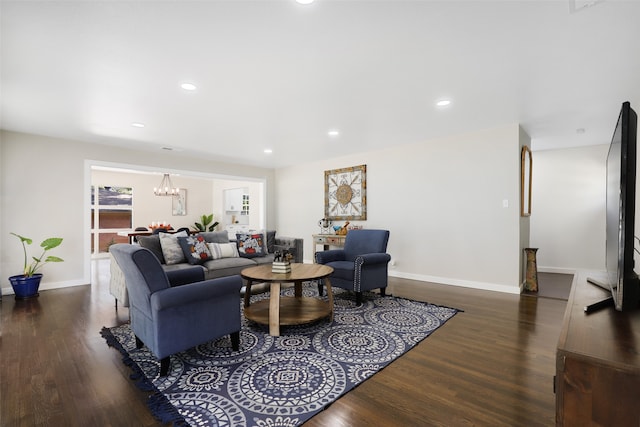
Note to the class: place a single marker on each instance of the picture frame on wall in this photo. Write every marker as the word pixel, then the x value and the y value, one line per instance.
pixel 179 203
pixel 526 175
pixel 345 193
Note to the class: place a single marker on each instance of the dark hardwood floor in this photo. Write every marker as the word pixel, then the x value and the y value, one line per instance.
pixel 492 365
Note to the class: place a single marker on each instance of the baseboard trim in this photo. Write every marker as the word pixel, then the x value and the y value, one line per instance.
pixel 559 270
pixel 50 286
pixel 458 282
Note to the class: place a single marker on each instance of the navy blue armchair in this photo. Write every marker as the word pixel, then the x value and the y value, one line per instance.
pixel 170 319
pixel 361 265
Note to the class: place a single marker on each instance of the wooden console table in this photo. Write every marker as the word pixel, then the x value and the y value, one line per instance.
pixel 597 362
pixel 327 240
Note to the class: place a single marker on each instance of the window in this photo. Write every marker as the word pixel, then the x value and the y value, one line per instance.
pixel 111 212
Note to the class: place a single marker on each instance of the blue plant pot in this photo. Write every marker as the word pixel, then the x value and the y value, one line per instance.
pixel 25 287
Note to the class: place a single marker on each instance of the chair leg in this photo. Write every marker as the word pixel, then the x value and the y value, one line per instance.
pixel 358 298
pixel 164 366
pixel 383 292
pixel 139 343
pixel 116 304
pixel 235 340
pixel 320 288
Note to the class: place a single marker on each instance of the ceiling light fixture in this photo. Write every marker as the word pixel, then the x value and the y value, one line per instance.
pixel 166 187
pixel 137 125
pixel 268 151
pixel 304 1
pixel 443 103
pixel 188 86
pixel 333 133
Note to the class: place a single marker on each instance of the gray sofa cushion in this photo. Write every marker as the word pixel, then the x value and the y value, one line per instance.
pixel 215 236
pixel 267 259
pixel 153 244
pixel 226 266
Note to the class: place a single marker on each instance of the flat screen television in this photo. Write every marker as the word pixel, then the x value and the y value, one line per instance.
pixel 621 281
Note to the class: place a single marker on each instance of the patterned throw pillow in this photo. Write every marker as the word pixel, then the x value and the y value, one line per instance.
pixel 195 249
pixel 171 248
pixel 223 250
pixel 250 245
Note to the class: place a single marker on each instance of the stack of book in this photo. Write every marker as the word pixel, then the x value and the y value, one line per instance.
pixel 281 267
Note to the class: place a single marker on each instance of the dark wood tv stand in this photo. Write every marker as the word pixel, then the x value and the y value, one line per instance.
pixel 597 362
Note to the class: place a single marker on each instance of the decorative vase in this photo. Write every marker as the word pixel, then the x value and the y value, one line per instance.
pixel 25 287
pixel 531 280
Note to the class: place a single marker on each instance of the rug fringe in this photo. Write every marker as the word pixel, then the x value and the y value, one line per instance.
pixel 159 405
pixel 164 411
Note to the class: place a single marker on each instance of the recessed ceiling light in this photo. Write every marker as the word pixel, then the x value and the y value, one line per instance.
pixel 137 125
pixel 443 103
pixel 188 86
pixel 268 151
pixel 333 132
pixel 304 1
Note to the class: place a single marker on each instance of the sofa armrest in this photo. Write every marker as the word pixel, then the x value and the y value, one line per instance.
pixel 185 275
pixel 294 245
pixel 375 258
pixel 324 257
pixel 182 296
pixel 117 284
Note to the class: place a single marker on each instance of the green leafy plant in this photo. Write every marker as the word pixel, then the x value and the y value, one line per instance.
pixel 46 245
pixel 203 225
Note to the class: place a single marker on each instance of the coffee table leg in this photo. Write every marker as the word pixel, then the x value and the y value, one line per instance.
pixel 297 287
pixel 247 293
pixel 274 310
pixel 327 284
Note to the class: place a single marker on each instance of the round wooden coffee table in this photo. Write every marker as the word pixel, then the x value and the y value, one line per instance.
pixel 294 310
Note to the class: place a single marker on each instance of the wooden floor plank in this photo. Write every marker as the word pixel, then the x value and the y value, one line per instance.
pixel 492 365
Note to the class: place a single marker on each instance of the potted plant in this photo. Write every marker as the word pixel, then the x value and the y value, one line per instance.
pixel 203 225
pixel 26 285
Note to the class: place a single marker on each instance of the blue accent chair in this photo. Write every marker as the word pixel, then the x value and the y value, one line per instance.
pixel 169 319
pixel 361 265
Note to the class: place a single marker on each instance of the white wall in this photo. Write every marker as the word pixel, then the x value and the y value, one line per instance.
pixel 568 208
pixel 45 192
pixel 204 196
pixel 442 201
pixel 148 207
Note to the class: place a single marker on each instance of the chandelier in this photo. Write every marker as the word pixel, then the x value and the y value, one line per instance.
pixel 166 187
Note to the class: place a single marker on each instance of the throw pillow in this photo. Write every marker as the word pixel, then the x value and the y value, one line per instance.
pixel 216 236
pixel 223 250
pixel 195 249
pixel 250 245
pixel 153 244
pixel 171 248
pixel 271 241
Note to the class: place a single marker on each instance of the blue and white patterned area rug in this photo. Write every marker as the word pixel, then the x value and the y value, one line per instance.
pixel 280 381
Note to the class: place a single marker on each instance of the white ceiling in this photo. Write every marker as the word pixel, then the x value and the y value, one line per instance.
pixel 279 75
